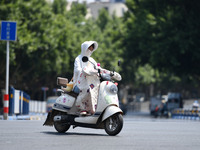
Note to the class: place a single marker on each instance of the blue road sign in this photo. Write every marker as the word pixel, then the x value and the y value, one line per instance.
pixel 8 30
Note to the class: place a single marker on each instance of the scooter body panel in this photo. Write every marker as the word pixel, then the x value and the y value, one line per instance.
pixel 87 120
pixel 111 110
pixel 64 103
pixel 107 96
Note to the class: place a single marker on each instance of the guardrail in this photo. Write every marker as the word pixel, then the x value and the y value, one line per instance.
pixel 36 106
pixel 189 114
pixel 20 104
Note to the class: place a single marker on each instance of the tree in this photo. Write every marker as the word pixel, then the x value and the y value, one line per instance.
pixel 49 39
pixel 44 47
pixel 77 13
pixel 103 19
pixel 59 6
pixel 163 34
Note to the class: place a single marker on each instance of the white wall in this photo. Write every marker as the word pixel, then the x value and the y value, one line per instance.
pixel 37 106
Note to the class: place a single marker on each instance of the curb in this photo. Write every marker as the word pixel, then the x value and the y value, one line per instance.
pixel 26 117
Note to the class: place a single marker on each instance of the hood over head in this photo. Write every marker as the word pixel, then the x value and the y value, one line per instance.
pixel 84 48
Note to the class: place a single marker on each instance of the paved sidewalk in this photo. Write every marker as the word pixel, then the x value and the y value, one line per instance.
pixel 31 116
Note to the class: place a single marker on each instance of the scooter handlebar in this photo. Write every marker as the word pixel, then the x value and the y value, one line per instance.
pixel 112 76
pixel 116 76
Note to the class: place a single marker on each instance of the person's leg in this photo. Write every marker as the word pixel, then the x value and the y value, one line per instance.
pixel 81 104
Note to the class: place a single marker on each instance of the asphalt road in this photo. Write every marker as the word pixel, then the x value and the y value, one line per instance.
pixel 138 133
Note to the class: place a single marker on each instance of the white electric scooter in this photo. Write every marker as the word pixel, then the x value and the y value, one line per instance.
pixel 107 116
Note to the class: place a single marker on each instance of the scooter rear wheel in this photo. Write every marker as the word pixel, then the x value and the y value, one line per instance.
pixel 61 127
pixel 113 124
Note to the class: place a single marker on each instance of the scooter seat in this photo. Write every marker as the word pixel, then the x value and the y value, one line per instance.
pixel 73 94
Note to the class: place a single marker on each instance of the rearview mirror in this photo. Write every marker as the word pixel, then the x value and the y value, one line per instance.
pixel 119 62
pixel 85 59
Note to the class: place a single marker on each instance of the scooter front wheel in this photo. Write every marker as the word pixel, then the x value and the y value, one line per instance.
pixel 113 124
pixel 61 127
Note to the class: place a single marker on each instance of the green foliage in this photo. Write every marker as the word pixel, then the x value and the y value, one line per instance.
pixel 164 34
pixel 110 41
pixel 146 74
pixel 103 19
pixel 59 6
pixel 77 13
pixel 44 47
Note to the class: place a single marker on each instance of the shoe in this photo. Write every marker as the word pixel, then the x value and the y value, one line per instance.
pixel 83 113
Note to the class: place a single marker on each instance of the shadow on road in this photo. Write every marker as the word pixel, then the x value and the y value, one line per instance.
pixel 73 133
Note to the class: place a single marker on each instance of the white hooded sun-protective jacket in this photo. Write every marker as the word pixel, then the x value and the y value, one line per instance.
pixel 79 64
pixel 86 79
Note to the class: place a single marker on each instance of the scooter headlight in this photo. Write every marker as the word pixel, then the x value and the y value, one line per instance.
pixel 113 89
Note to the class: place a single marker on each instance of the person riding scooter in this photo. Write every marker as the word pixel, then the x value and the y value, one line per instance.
pixel 87 86
pixel 86 80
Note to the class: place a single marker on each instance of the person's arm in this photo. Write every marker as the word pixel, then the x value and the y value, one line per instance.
pixel 77 70
pixel 90 67
pixel 90 71
pixel 77 66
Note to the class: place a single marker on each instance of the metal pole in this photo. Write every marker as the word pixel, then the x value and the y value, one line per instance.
pixel 6 96
pixel 44 95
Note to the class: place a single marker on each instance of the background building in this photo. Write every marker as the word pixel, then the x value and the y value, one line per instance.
pixel 113 8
